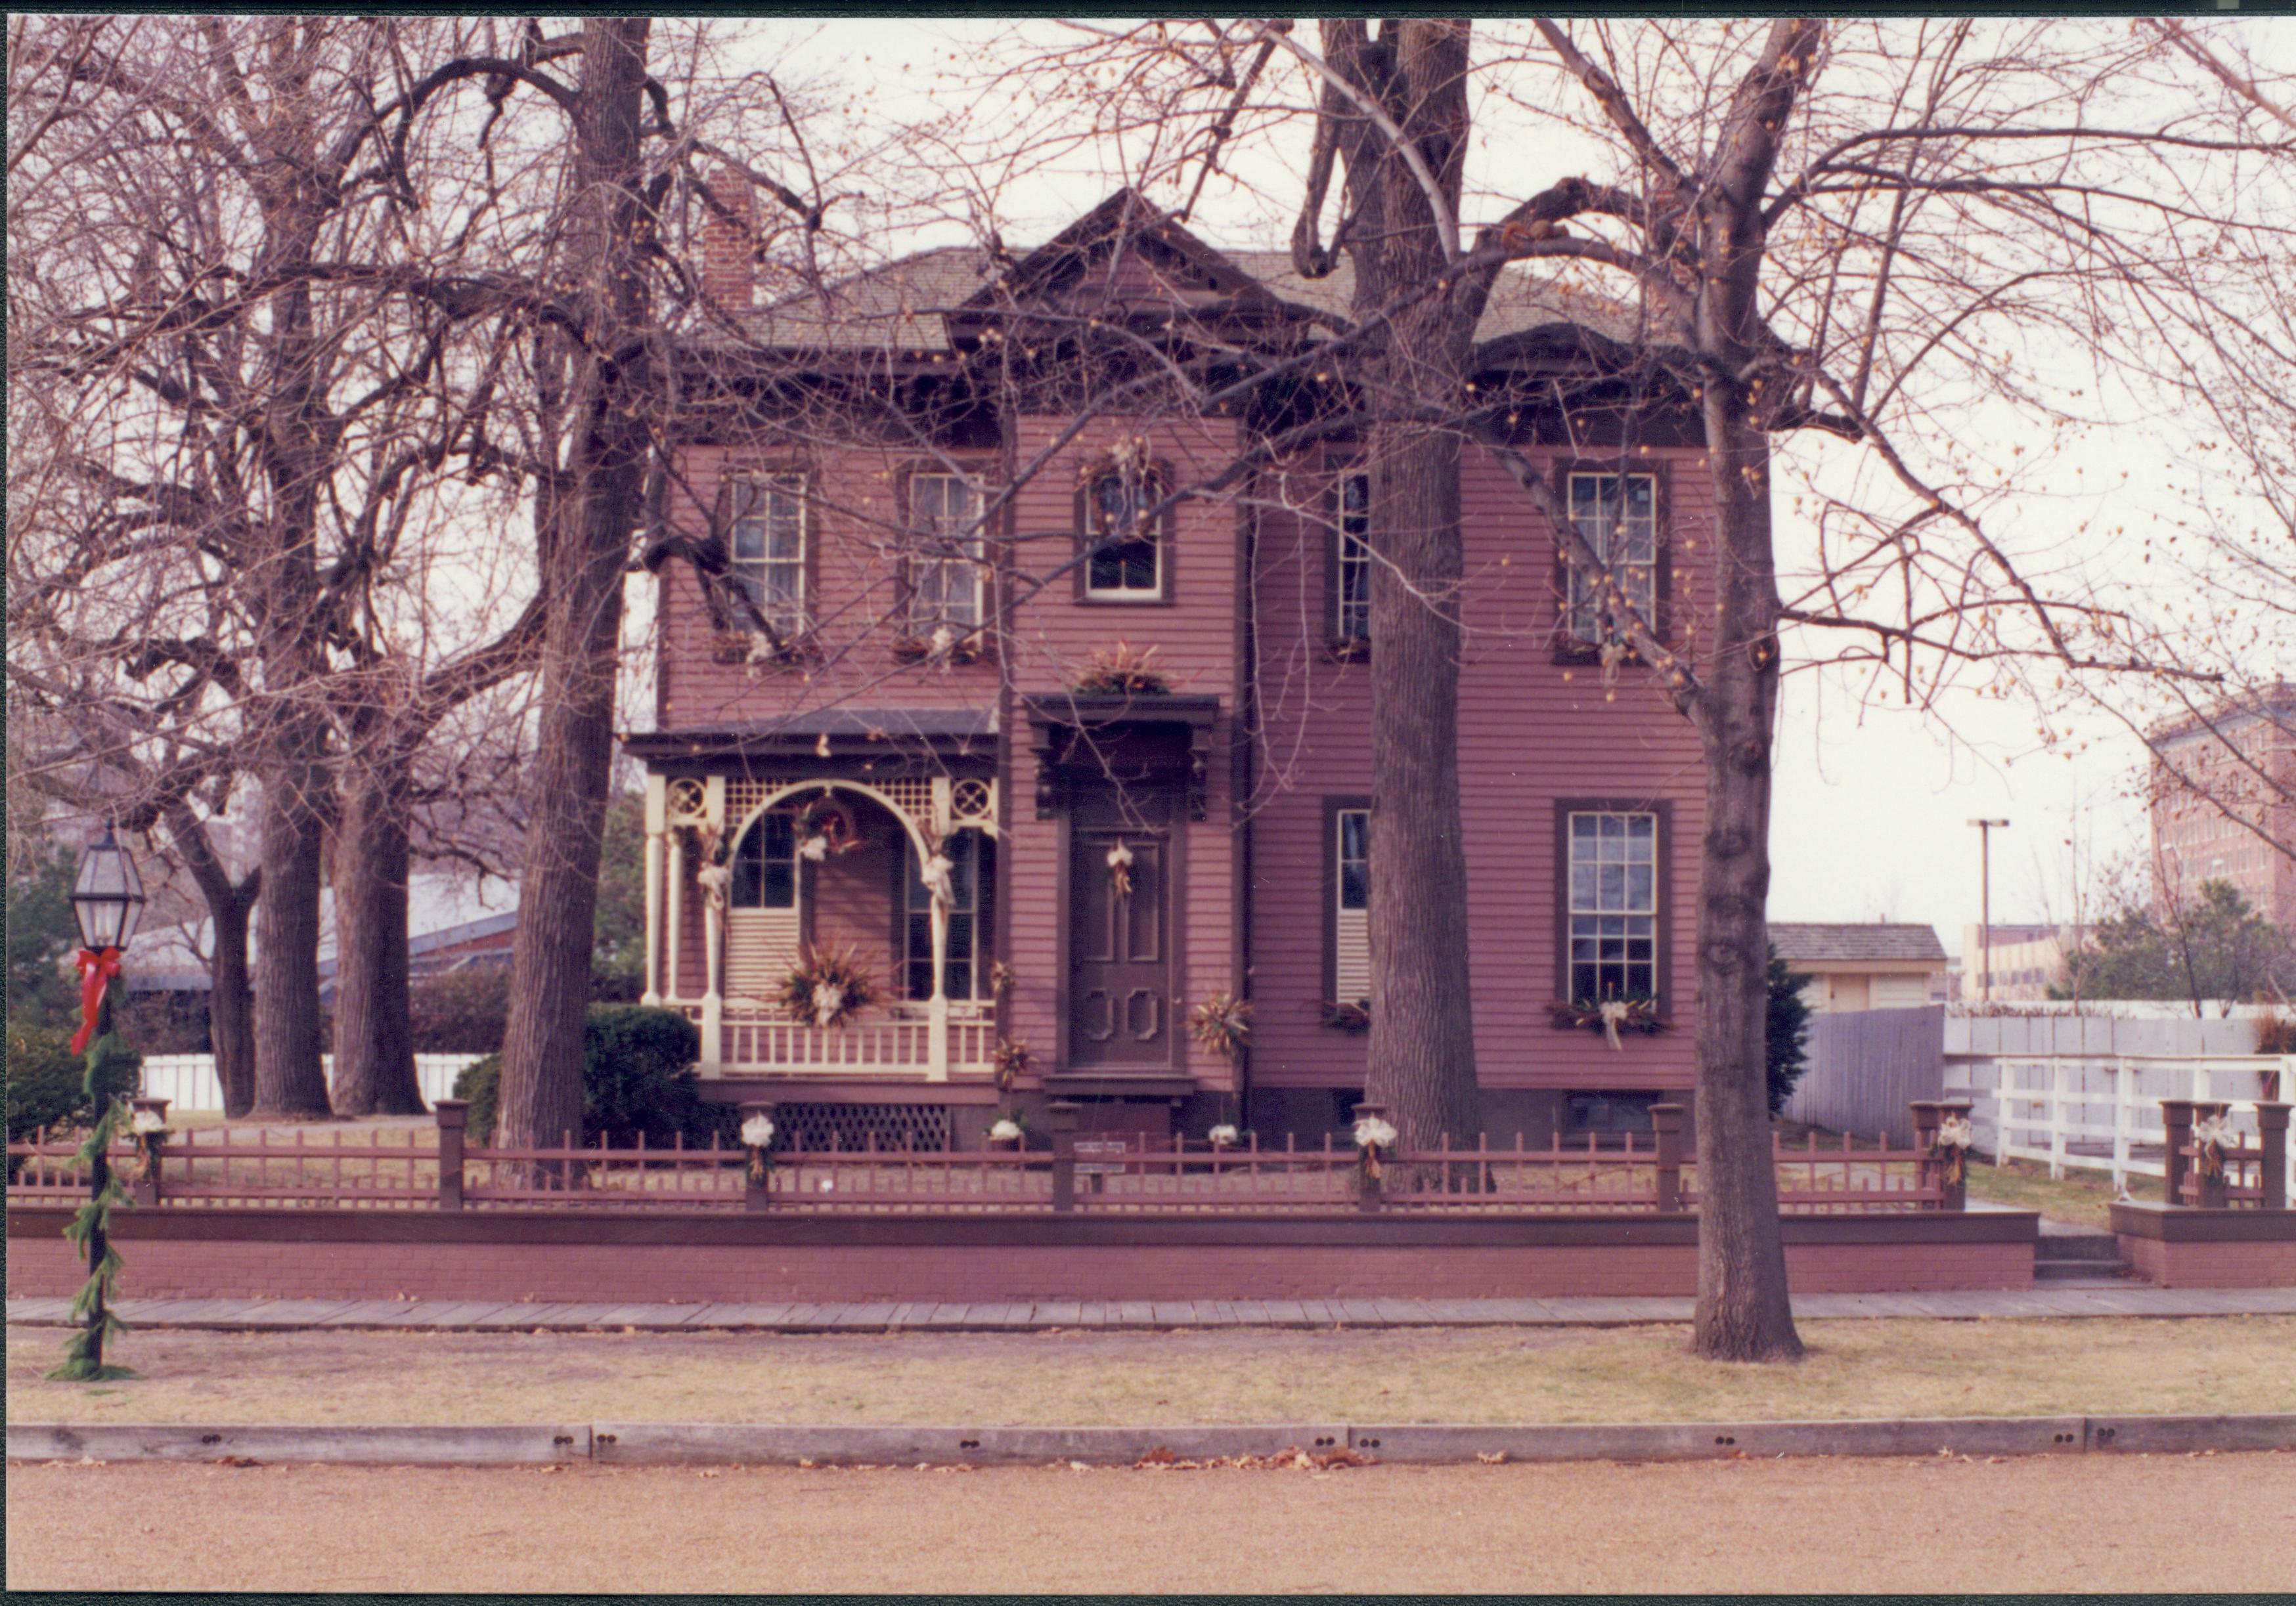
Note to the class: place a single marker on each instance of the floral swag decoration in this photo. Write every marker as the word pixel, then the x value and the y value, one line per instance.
pixel 1119 871
pixel 150 1128
pixel 1223 1136
pixel 758 1137
pixel 2213 1138
pixel 828 986
pixel 1374 1137
pixel 1011 1059
pixel 1008 1128
pixel 1955 1136
pixel 1611 1016
pixel 716 875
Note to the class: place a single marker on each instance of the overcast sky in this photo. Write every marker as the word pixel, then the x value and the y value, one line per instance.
pixel 1872 803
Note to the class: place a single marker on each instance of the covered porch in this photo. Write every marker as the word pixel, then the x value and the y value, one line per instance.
pixel 828 921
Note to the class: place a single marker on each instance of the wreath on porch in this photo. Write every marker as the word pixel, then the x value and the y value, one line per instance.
pixel 828 986
pixel 1222 1023
pixel 825 826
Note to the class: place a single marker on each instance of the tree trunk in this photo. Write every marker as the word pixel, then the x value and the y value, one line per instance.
pixel 585 532
pixel 375 1053
pixel 1743 1311
pixel 288 1078
pixel 231 1025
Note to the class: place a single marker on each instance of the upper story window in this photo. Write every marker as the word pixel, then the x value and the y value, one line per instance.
pixel 1127 562
pixel 765 864
pixel 1617 515
pixel 1351 905
pixel 945 572
pixel 768 547
pixel 1613 905
pixel 1351 561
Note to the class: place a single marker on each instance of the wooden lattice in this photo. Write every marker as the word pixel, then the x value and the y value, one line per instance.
pixel 849 1126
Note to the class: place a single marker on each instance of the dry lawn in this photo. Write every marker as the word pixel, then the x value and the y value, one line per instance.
pixel 2083 1523
pixel 1863 1368
pixel 2083 1198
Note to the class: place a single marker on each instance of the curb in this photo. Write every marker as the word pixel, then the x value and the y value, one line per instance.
pixel 710 1444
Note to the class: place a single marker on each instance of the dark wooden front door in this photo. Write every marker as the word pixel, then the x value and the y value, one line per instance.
pixel 1121 1011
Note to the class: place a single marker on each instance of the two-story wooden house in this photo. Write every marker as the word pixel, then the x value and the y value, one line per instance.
pixel 952 487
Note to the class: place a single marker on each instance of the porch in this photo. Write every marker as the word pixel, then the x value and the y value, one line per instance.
pixel 749 879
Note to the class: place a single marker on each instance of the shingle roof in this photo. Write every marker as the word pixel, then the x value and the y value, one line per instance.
pixel 1802 942
pixel 899 307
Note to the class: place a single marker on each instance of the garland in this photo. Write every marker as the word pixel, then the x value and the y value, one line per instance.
pixel 89 1230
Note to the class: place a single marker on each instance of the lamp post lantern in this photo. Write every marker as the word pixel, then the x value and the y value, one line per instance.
pixel 106 900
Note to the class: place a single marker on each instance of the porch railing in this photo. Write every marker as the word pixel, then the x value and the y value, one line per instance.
pixel 756 1038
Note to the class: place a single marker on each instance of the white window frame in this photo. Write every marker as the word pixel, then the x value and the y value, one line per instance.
pixel 1098 534
pixel 755 513
pixel 1351 922
pixel 944 550
pixel 1594 912
pixel 1351 555
pixel 1584 617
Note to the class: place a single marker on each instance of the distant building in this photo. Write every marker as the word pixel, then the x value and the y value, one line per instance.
pixel 2215 775
pixel 1870 965
pixel 2025 961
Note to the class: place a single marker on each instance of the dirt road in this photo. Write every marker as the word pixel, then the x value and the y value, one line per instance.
pixel 2087 1523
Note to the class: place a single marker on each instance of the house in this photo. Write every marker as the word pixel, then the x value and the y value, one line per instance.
pixel 2219 776
pixel 881 737
pixel 2009 964
pixel 1870 965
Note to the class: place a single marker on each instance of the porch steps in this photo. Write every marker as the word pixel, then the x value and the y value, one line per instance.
pixel 2071 1254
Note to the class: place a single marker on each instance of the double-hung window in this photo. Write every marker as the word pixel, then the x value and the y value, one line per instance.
pixel 944 566
pixel 1613 907
pixel 768 548
pixel 765 864
pixel 1351 559
pixel 1617 515
pixel 1125 563
pixel 965 970
pixel 1351 905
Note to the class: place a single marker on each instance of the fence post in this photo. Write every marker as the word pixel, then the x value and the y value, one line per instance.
pixel 147 1182
pixel 756 1187
pixel 2272 1137
pixel 1925 1130
pixel 1666 1121
pixel 1367 1182
pixel 2176 1125
pixel 1063 1115
pixel 453 1115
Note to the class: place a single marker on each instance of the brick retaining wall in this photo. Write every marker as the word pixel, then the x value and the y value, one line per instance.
pixel 2180 1247
pixel 222 1254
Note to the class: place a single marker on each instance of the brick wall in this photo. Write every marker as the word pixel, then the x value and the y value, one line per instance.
pixel 2212 1264
pixel 185 1267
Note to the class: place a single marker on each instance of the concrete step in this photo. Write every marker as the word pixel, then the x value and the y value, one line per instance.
pixel 2070 1269
pixel 2063 1241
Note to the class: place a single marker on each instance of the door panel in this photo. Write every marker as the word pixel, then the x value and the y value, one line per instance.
pixel 1120 966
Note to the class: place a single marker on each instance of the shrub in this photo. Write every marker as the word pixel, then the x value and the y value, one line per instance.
pixel 1788 1033
pixel 45 1079
pixel 637 1077
pixel 456 1011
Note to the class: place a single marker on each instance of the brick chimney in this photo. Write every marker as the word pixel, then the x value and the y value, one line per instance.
pixel 728 250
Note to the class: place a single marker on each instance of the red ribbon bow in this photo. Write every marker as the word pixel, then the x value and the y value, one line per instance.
pixel 97 967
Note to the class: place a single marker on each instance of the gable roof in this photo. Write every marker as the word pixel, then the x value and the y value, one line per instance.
pixel 1865 942
pixel 904 305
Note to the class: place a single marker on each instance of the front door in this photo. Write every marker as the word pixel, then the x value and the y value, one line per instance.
pixel 1121 1007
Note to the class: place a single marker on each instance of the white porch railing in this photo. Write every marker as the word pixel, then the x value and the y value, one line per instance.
pixel 2104 1112
pixel 754 1039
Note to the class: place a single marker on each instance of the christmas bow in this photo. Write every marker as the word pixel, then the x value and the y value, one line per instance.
pixel 97 967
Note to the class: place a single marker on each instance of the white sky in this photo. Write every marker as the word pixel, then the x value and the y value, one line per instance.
pixel 1872 803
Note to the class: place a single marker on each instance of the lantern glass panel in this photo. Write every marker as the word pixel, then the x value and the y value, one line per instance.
pixel 107 896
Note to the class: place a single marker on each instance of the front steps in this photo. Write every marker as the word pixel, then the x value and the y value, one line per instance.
pixel 2078 1255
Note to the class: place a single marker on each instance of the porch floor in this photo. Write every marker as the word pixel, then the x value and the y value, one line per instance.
pixel 274 1316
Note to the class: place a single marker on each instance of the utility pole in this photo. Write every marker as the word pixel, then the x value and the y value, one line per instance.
pixel 1985 901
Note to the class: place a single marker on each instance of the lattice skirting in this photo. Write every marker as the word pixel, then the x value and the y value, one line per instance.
pixel 815 1126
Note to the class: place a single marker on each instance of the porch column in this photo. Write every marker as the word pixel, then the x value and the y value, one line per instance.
pixel 937 1008
pixel 656 807
pixel 713 946
pixel 672 984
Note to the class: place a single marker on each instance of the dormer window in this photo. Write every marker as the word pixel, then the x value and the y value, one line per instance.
pixel 1127 562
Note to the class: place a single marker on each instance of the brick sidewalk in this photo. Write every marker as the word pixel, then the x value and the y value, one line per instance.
pixel 2133 1299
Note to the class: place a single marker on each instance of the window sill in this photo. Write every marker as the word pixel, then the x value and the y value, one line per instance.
pixel 1123 599
pixel 1588 654
pixel 1347 650
pixel 739 647
pixel 919 650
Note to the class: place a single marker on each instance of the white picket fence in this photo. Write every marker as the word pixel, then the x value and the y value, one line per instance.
pixel 189 1081
pixel 2098 1111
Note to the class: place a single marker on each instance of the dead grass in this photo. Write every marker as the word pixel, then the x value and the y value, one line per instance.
pixel 2082 1198
pixel 1857 1369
